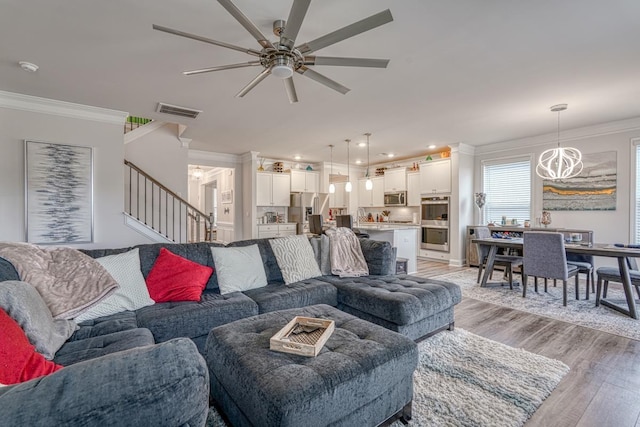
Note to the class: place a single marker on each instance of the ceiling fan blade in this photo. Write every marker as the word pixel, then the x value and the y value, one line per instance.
pixel 345 32
pixel 313 75
pixel 246 23
pixel 205 40
pixel 221 67
pixel 253 83
pixel 346 62
pixel 291 90
pixel 293 23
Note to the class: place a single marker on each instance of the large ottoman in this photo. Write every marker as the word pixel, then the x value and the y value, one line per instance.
pixel 363 375
pixel 413 306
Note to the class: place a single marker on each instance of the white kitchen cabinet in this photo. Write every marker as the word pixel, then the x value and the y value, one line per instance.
pixel 395 180
pixel 276 230
pixel 305 181
pixel 413 189
pixel 371 198
pixel 273 189
pixel 339 199
pixel 435 177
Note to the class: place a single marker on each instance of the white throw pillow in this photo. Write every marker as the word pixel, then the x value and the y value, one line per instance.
pixel 295 258
pixel 239 268
pixel 132 293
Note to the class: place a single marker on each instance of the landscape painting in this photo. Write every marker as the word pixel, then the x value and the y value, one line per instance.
pixel 594 189
pixel 59 193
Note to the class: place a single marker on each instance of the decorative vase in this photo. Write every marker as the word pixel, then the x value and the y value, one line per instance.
pixel 480 199
pixel 546 218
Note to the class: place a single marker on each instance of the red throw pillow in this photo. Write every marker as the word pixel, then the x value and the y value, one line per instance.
pixel 19 360
pixel 174 278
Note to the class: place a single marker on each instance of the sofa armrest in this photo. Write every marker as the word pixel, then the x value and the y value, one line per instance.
pixel 164 384
pixel 380 257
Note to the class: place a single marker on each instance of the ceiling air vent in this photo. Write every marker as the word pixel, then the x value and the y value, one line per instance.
pixel 177 111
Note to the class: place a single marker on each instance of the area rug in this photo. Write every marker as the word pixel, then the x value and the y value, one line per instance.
pixel 582 312
pixel 466 380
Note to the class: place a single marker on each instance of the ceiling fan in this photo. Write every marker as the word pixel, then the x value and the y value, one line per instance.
pixel 282 57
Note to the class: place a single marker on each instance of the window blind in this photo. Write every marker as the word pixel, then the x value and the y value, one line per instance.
pixel 508 188
pixel 636 234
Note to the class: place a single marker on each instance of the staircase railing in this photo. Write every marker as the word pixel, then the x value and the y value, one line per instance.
pixel 132 123
pixel 159 208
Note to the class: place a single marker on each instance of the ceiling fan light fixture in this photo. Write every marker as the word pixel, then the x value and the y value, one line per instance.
pixel 282 67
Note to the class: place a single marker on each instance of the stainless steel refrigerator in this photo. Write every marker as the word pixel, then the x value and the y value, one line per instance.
pixel 303 205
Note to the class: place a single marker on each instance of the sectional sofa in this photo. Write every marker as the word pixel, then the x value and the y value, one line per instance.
pixel 413 306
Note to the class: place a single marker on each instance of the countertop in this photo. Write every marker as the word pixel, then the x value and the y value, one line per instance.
pixel 386 226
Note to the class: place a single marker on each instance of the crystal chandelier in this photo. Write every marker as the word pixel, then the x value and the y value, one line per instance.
pixel 559 162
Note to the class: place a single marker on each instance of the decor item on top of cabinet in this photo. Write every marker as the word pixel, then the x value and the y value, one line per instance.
pixel 309 168
pixel 445 154
pixel 261 161
pixel 593 189
pixel 380 171
pixel 278 167
pixel 59 193
pixel 546 218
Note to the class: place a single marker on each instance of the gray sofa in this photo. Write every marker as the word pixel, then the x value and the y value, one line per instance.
pixel 413 306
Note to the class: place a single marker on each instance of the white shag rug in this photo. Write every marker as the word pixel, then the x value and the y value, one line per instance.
pixel 465 380
pixel 582 312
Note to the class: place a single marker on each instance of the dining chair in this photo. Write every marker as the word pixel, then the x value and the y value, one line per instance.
pixel 585 266
pixel 506 261
pixel 544 256
pixel 612 274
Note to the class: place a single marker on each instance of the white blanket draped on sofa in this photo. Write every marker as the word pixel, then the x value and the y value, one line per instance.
pixel 347 259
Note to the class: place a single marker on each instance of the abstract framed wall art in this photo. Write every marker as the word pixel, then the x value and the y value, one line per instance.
pixel 594 189
pixel 58 193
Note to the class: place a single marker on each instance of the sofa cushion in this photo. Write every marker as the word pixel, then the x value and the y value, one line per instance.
pixel 274 275
pixel 380 257
pixel 24 304
pixel 122 321
pixel 194 319
pixel 90 348
pixel 239 268
pixel 322 252
pixel 7 271
pixel 295 258
pixel 19 360
pixel 174 278
pixel 132 293
pixel 398 299
pixel 299 294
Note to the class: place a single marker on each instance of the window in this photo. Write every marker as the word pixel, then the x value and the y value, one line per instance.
pixel 636 206
pixel 507 184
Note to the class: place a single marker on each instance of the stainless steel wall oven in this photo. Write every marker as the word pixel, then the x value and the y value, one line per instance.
pixel 434 219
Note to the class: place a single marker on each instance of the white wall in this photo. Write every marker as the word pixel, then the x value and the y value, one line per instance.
pixel 608 226
pixel 106 138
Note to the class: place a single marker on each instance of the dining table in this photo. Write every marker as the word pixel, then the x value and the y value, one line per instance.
pixel 620 252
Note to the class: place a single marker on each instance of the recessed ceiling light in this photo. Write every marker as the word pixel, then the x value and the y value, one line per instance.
pixel 432 146
pixel 390 155
pixel 358 162
pixel 28 66
pixel 297 157
pixel 362 144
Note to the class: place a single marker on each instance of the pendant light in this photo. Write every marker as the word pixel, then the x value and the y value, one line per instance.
pixel 348 187
pixel 369 184
pixel 332 186
pixel 559 162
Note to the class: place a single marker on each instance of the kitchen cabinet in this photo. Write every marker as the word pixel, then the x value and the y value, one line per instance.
pixel 305 181
pixel 413 189
pixel 395 180
pixel 276 230
pixel 273 189
pixel 339 199
pixel 435 177
pixel 374 197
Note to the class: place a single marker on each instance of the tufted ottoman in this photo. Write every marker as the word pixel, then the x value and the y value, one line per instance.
pixel 362 376
pixel 413 306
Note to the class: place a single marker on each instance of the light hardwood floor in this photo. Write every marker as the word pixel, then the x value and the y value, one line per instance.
pixel 603 386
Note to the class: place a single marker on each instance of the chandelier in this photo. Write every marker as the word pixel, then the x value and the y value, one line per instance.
pixel 559 162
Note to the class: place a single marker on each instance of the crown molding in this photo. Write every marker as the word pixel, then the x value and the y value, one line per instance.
pixel 602 129
pixel 196 155
pixel 34 104
pixel 462 148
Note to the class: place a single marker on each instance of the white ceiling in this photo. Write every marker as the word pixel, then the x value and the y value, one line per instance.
pixel 461 70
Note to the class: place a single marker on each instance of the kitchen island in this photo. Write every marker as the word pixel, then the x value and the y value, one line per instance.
pixel 404 237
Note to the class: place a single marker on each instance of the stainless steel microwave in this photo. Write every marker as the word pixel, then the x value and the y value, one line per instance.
pixel 398 198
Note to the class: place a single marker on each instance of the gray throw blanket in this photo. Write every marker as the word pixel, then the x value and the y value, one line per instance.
pixel 347 259
pixel 69 281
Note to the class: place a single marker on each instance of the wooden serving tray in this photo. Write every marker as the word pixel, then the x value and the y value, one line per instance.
pixel 304 336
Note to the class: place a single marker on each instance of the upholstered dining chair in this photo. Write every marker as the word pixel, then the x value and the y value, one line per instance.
pixel 544 256
pixel 585 266
pixel 506 261
pixel 612 274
